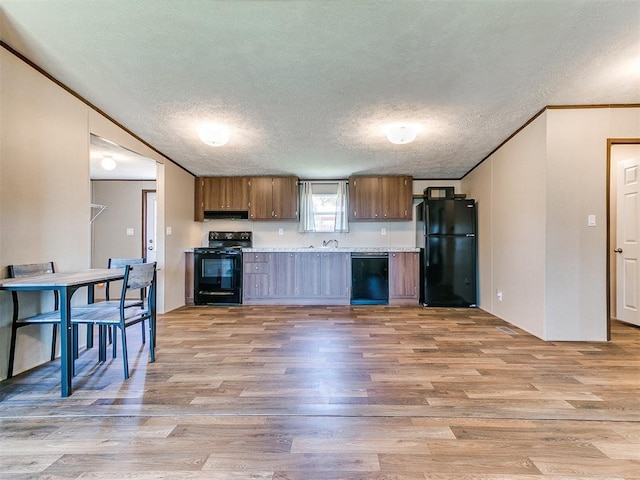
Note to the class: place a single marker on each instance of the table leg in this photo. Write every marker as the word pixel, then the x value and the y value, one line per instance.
pixel 66 342
pixel 90 299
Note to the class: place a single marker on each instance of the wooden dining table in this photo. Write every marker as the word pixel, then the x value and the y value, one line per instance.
pixel 66 284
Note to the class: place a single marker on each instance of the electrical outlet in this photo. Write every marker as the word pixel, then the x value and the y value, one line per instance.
pixel 169 231
pixel 129 231
pixel 383 231
pixel 281 231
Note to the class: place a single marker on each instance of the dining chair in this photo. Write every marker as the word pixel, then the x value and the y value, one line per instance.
pixel 122 263
pixel 50 317
pixel 106 314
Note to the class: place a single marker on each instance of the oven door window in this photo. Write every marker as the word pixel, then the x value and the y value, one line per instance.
pixel 219 272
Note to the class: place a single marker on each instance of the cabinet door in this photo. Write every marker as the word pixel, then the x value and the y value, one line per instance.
pixel 237 193
pixel 198 204
pixel 283 274
pixel 213 194
pixel 335 275
pixel 260 196
pixel 285 198
pixel 364 198
pixel 404 272
pixel 396 198
pixel 256 285
pixel 308 268
pixel 188 279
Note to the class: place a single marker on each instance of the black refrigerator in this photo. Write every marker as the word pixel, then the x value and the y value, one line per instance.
pixel 446 236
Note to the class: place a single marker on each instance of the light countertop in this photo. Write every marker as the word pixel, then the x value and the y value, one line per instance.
pixel 333 249
pixel 326 249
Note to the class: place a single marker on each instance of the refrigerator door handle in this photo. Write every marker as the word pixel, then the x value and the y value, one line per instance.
pixel 426 218
pixel 426 252
pixel 470 235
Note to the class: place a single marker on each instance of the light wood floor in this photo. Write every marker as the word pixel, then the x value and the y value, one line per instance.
pixel 333 393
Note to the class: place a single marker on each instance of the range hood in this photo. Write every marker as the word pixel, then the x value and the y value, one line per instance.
pixel 226 214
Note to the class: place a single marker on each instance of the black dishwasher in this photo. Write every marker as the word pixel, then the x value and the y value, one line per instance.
pixel 369 278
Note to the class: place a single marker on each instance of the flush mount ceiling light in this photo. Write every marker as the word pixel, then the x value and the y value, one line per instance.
pixel 108 163
pixel 401 133
pixel 214 135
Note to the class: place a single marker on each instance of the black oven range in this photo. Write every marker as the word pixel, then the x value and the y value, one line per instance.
pixel 218 268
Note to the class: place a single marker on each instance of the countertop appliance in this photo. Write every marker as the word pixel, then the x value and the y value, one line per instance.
pixel 218 268
pixel 370 278
pixel 446 235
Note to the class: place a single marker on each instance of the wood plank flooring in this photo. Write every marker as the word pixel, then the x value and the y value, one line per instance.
pixel 333 393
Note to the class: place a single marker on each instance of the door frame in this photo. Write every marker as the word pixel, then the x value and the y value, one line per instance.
pixel 144 220
pixel 610 143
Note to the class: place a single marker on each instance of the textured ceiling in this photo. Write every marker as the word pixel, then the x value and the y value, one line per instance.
pixel 307 86
pixel 129 165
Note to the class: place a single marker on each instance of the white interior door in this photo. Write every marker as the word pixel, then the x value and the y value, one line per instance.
pixel 151 215
pixel 627 236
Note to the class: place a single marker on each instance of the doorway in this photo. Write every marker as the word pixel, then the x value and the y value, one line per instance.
pixel 623 242
pixel 121 192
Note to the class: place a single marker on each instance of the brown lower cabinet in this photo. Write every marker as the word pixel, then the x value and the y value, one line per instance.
pixel 188 279
pixel 297 278
pixel 404 278
pixel 313 278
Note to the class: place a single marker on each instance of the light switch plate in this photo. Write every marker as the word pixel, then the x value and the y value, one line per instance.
pixel 129 231
pixel 169 231
pixel 591 220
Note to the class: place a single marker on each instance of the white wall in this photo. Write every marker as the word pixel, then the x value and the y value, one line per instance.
pixel 543 184
pixel 480 190
pixel 177 204
pixel 45 193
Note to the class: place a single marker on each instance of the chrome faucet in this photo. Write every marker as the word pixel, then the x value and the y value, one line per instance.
pixel 327 243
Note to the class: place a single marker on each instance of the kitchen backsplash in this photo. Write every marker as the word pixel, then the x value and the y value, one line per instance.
pixel 361 234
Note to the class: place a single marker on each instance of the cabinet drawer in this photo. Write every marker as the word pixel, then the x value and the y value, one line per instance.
pixel 256 286
pixel 257 257
pixel 255 267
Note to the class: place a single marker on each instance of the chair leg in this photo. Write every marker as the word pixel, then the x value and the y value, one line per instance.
pixel 74 331
pixel 54 337
pixel 102 343
pixel 12 349
pixel 125 361
pixel 114 343
pixel 152 347
pixel 143 334
pixel 89 336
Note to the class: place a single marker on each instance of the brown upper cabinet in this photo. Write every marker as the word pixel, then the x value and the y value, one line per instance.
pixel 220 194
pixel 273 198
pixel 380 198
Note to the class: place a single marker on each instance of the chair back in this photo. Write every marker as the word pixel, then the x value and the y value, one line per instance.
pixel 139 276
pixel 29 270
pixel 122 263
